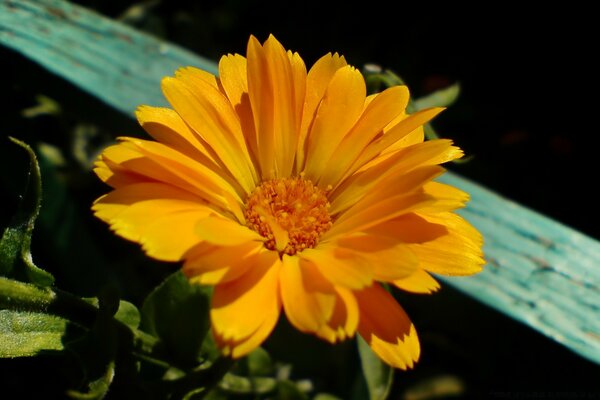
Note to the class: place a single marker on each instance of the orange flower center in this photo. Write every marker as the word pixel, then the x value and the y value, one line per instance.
pixel 291 213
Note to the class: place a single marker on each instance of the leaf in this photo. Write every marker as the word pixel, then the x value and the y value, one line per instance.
pixel 24 296
pixel 287 390
pixel 128 314
pixel 98 389
pixel 259 363
pixel 26 334
pixel 378 375
pixel 440 98
pixel 325 396
pixel 98 349
pixel 15 255
pixel 178 313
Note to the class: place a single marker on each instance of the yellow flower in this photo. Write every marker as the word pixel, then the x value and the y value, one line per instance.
pixel 292 190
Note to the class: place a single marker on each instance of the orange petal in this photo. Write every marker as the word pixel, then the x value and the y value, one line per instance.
pixel 382 109
pixel 393 135
pixel 339 266
pixel 429 153
pixel 447 197
pixel 457 253
pixel 233 73
pixel 204 179
pixel 162 164
pixel 374 214
pixel 419 282
pixel 224 231
pixel 408 228
pixel 114 175
pixel 307 306
pixel 136 211
pixel 167 127
pixel 193 74
pixel 210 115
pixel 213 265
pixel 386 328
pixel 362 192
pixel 344 320
pixel 169 237
pixel 241 307
pixel 390 260
pixel 234 78
pixel 340 108
pixel 317 80
pixel 273 98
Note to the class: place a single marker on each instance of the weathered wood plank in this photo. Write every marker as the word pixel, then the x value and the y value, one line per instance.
pixel 539 271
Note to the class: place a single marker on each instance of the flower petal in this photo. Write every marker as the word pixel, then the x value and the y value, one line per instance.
pixel 208 264
pixel 203 179
pixel 363 192
pixel 340 108
pixel 157 162
pixel 390 260
pixel 114 175
pixel 241 307
pixel 307 305
pixel 447 197
pixel 419 282
pixel 234 80
pixel 224 231
pixel 167 127
pixel 374 214
pixel 340 266
pixel 210 115
pixel 169 237
pixel 273 97
pixel 131 209
pixel 382 109
pixel 344 320
pixel 429 153
pixel 386 328
pixel 317 81
pixel 393 135
pixel 408 228
pixel 457 253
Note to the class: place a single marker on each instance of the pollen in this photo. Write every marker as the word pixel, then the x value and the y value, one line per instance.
pixel 291 213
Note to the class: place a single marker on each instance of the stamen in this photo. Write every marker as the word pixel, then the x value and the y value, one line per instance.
pixel 291 213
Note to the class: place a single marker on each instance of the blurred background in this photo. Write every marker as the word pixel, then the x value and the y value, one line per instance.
pixel 523 116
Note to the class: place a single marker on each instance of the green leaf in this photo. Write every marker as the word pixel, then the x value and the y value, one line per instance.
pixel 177 312
pixel 26 334
pixel 98 349
pixel 98 389
pixel 259 363
pixel 287 390
pixel 378 375
pixel 440 98
pixel 236 384
pixel 128 314
pixel 15 255
pixel 24 296
pixel 325 396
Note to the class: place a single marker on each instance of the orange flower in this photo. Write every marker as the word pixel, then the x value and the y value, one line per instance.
pixel 293 190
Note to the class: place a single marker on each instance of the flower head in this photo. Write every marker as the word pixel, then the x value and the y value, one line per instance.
pixel 292 191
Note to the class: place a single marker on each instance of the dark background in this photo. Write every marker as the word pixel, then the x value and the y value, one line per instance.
pixel 525 115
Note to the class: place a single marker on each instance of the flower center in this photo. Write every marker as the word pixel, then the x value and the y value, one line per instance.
pixel 291 213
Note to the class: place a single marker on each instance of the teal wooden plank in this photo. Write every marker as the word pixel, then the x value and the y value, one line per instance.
pixel 112 61
pixel 539 271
